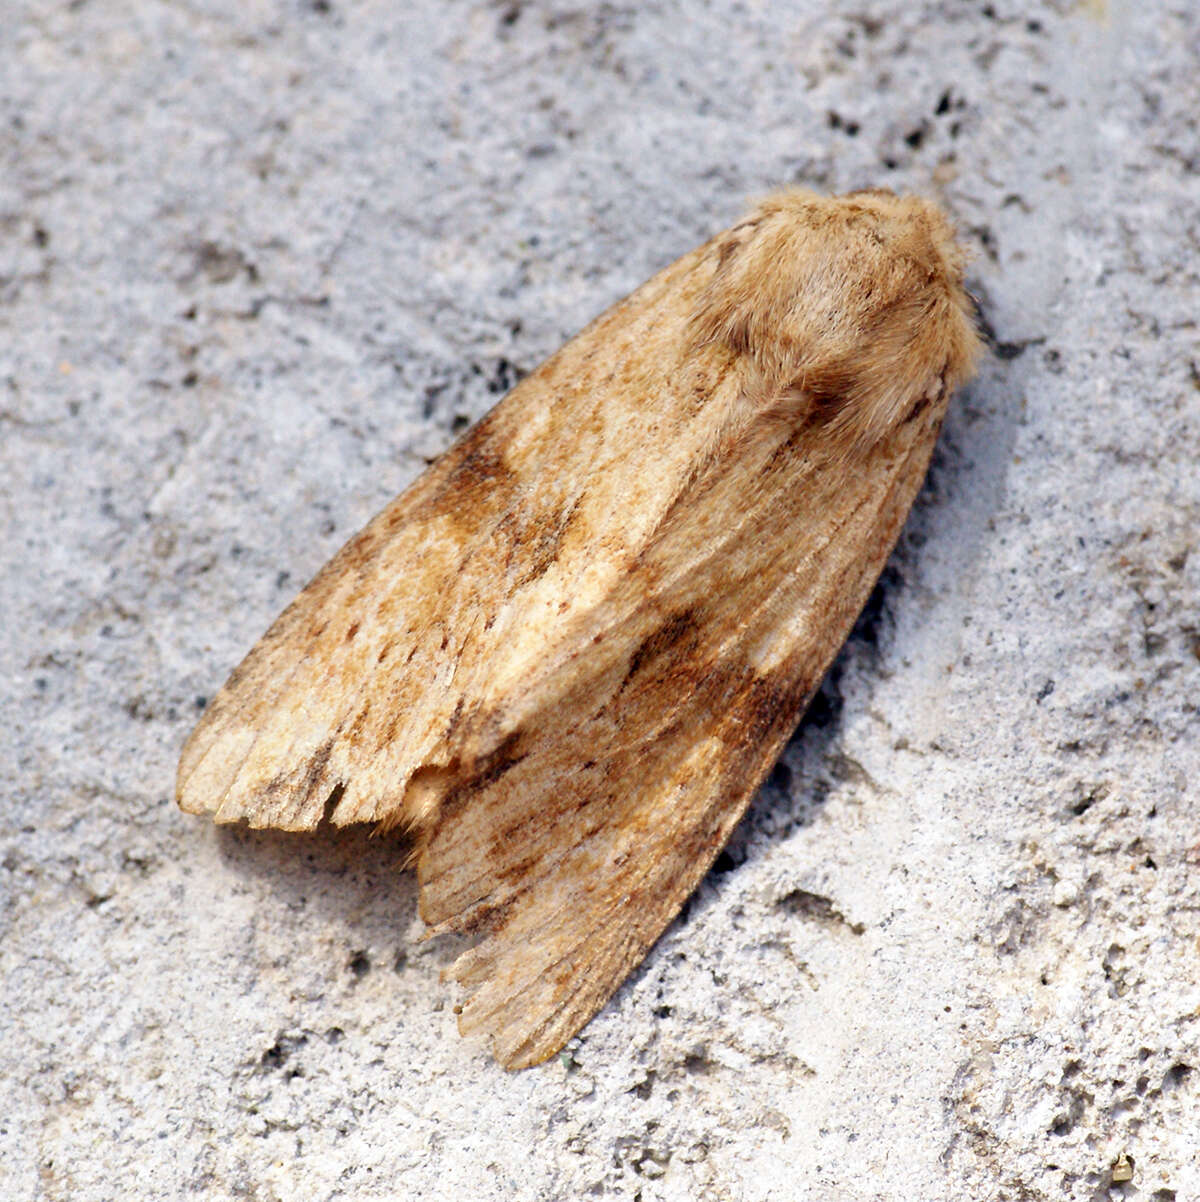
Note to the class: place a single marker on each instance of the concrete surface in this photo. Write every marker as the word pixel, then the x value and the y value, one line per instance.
pixel 258 260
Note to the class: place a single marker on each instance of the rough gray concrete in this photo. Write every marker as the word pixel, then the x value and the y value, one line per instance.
pixel 258 261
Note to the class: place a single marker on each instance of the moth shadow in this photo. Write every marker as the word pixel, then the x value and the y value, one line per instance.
pixel 348 882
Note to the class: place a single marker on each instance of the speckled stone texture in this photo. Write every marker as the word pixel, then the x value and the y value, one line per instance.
pixel 258 262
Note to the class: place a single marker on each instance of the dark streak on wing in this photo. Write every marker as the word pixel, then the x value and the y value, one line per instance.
pixel 486 771
pixel 314 769
pixel 317 765
pixel 474 478
pixel 925 400
pixel 667 639
pixel 774 702
pixel 474 470
pixel 542 547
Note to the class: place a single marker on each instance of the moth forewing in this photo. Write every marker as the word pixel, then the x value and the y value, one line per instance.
pixel 566 657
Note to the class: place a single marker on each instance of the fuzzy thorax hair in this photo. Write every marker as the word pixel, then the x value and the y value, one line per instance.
pixel 850 309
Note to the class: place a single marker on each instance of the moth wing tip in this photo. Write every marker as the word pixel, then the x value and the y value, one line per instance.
pixel 189 799
pixel 512 1049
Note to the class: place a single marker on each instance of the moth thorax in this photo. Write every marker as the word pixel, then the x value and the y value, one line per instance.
pixel 853 305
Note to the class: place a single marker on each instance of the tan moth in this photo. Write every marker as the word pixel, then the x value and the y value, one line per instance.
pixel 567 655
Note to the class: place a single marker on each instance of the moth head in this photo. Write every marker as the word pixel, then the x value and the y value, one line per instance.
pixel 849 309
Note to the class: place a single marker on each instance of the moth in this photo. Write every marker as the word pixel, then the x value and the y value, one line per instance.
pixel 567 655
